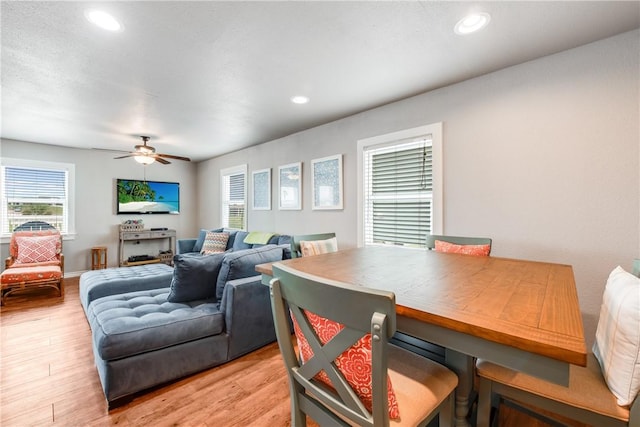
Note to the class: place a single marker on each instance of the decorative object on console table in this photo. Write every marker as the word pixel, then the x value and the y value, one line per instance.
pixel 132 225
pixel 136 237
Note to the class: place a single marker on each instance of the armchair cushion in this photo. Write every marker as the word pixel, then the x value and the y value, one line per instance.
pixel 37 248
pixel 41 273
pixel 617 344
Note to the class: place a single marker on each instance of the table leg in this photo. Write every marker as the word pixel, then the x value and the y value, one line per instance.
pixel 462 365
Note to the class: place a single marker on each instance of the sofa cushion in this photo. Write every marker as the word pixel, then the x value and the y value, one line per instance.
pixel 197 247
pixel 241 264
pixel 617 344
pixel 137 322
pixel 214 243
pixel 238 243
pixel 96 284
pixel 232 236
pixel 194 277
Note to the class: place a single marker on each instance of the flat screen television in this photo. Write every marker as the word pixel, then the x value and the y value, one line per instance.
pixel 148 197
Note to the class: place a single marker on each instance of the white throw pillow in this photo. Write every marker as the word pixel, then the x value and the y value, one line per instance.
pixel 318 247
pixel 617 345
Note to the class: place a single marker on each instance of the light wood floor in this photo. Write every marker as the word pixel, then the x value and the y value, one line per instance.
pixel 47 377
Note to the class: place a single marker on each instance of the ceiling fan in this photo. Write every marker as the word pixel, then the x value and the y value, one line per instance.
pixel 146 154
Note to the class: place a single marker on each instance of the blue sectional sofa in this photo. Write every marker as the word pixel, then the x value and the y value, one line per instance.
pixel 215 309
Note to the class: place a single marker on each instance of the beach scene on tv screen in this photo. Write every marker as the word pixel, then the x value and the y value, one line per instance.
pixel 148 197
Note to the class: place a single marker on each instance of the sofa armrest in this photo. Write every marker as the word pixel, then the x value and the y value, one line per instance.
pixel 247 309
pixel 186 245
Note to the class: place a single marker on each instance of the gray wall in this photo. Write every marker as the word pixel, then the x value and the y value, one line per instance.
pixel 544 157
pixel 95 197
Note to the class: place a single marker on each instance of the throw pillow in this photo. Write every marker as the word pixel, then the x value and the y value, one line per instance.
pixel 214 243
pixel 617 345
pixel 194 277
pixel 36 248
pixel 197 247
pixel 355 363
pixel 241 264
pixel 452 248
pixel 317 247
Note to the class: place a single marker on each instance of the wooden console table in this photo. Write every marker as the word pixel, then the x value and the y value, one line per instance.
pixel 137 236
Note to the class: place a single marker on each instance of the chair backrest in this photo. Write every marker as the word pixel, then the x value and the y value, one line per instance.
pixel 295 241
pixel 458 240
pixel 361 311
pixel 34 225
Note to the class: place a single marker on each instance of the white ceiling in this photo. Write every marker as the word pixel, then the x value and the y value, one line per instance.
pixel 206 78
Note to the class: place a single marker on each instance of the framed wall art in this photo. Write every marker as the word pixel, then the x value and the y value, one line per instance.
pixel 261 184
pixel 326 183
pixel 290 186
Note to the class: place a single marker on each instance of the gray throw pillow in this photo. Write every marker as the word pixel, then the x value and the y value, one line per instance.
pixel 194 277
pixel 241 264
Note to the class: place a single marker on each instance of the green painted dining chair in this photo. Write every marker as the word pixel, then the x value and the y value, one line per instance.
pixel 342 370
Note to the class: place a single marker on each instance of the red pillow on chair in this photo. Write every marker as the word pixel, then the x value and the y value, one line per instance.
pixel 36 248
pixel 354 363
pixel 452 248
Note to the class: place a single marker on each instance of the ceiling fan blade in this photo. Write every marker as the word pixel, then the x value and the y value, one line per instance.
pixel 126 155
pixel 110 150
pixel 161 160
pixel 170 156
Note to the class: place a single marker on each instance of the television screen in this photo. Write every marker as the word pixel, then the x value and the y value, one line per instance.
pixel 148 197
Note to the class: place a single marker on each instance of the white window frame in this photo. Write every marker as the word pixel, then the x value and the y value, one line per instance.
pixel 224 173
pixel 39 164
pixel 390 139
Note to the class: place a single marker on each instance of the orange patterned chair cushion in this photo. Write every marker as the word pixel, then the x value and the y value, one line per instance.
pixel 452 248
pixel 354 363
pixel 30 274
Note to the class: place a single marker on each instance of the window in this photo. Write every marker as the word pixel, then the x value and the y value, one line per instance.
pixel 37 191
pixel 234 197
pixel 400 187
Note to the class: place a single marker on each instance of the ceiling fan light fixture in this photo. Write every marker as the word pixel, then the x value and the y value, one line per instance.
pixel 300 99
pixel 145 160
pixel 103 20
pixel 472 23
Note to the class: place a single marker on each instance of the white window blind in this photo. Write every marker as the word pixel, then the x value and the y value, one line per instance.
pixel 234 197
pixel 34 194
pixel 398 180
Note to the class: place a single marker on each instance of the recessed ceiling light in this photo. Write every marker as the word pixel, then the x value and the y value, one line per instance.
pixel 299 99
pixel 103 20
pixel 472 23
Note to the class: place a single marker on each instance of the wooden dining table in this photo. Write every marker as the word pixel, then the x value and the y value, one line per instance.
pixel 520 314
